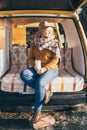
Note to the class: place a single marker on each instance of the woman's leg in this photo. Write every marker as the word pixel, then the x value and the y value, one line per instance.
pixel 29 76
pixel 40 90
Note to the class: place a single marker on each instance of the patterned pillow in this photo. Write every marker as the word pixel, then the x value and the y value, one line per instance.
pixel 62 62
pixel 19 58
pixel 66 58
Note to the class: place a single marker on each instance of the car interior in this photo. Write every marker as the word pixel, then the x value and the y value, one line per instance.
pixel 17 36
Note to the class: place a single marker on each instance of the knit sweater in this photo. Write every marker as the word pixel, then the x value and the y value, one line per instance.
pixel 48 58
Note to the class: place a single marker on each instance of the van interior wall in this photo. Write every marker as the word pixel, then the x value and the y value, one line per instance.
pixel 5 41
pixel 73 41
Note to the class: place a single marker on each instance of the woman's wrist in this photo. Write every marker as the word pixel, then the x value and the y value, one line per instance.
pixel 40 71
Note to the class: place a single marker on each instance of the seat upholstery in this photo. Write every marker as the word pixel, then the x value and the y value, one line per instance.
pixel 11 81
pixel 68 79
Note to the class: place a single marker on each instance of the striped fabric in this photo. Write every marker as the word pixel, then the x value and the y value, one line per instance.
pixel 67 81
pixel 11 81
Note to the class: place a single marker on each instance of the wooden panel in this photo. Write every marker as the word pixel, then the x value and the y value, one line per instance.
pixel 2 38
pixel 19 35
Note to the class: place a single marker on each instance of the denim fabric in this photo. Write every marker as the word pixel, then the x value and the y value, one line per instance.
pixel 38 82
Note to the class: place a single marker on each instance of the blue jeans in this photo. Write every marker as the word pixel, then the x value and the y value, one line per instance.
pixel 38 82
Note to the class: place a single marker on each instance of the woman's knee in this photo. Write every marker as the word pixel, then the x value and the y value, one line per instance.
pixel 26 74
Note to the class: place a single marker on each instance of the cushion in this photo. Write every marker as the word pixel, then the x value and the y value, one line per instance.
pixel 67 81
pixel 19 58
pixel 11 81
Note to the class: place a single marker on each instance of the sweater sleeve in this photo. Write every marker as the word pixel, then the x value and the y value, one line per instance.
pixel 31 55
pixel 54 61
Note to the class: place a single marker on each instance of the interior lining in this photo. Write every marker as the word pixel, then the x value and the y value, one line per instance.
pixel 73 40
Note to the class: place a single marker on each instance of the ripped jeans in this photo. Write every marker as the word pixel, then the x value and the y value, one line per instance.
pixel 38 82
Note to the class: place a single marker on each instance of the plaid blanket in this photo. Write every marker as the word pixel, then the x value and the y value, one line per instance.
pixel 48 43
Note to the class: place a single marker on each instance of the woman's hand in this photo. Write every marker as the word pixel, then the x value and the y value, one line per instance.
pixel 40 71
pixel 35 67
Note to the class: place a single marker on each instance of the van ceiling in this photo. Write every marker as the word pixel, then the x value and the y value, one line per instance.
pixel 62 5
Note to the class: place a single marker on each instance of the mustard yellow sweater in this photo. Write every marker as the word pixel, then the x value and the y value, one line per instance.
pixel 48 58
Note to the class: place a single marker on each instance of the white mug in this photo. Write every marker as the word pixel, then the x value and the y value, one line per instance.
pixel 38 63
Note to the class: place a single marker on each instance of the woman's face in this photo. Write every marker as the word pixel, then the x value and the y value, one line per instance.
pixel 47 33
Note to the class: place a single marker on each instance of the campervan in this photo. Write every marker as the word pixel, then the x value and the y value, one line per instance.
pixel 19 21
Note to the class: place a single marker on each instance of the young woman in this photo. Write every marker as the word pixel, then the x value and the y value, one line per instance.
pixel 45 49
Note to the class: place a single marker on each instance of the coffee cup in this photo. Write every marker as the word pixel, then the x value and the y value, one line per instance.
pixel 38 63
